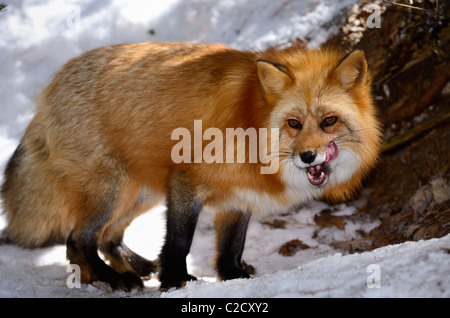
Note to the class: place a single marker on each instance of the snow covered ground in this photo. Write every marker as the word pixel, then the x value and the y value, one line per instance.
pixel 38 37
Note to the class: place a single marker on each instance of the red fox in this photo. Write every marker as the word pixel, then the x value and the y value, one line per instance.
pixel 99 150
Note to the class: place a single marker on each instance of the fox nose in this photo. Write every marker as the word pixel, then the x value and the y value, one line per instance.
pixel 307 157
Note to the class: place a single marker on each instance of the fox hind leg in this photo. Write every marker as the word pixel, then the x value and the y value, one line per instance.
pixel 123 259
pixel 135 200
pixel 82 245
pixel 83 252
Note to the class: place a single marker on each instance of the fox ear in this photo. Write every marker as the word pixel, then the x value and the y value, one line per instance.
pixel 274 78
pixel 352 70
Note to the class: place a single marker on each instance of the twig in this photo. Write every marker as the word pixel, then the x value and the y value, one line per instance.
pixel 413 7
pixel 428 124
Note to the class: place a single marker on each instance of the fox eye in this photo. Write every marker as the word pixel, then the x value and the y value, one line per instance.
pixel 294 123
pixel 329 121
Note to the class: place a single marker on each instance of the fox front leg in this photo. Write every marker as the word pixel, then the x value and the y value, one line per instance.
pixel 183 208
pixel 231 229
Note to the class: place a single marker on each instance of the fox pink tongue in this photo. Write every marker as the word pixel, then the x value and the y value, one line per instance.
pixel 317 173
pixel 331 151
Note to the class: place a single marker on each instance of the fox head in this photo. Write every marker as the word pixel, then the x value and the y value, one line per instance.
pixel 321 102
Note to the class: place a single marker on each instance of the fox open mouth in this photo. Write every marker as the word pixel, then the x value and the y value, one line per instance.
pixel 318 173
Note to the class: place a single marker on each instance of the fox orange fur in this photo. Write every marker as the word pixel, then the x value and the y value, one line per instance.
pixel 98 151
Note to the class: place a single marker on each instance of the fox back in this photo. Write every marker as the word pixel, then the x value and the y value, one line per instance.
pixel 123 128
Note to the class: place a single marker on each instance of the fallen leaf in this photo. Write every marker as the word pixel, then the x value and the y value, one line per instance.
pixel 292 247
pixel 421 199
pixel 326 219
pixel 276 224
pixel 441 190
pixel 250 269
pixel 363 244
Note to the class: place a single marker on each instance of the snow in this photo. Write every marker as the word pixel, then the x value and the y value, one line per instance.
pixel 38 37
pixel 405 270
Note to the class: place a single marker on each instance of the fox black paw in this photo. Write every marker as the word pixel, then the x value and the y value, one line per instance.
pixel 232 273
pixel 126 282
pixel 168 281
